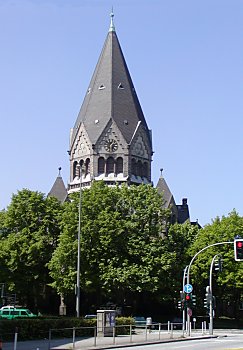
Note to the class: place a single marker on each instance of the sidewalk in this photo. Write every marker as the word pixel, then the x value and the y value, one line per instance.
pixel 120 341
pixel 130 341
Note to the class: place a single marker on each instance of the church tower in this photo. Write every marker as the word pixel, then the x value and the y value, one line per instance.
pixel 110 140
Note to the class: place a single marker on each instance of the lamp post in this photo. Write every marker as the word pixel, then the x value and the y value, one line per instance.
pixel 79 236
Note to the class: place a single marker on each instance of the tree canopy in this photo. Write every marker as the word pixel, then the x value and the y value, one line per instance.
pixel 122 249
pixel 29 234
pixel 228 284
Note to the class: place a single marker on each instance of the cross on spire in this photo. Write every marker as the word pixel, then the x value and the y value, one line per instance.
pixel 112 27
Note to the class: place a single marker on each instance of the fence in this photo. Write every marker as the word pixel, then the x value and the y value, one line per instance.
pixel 121 335
pixel 86 337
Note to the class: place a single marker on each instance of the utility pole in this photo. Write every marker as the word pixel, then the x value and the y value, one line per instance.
pixel 79 239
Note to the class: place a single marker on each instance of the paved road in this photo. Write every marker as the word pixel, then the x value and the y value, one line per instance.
pixel 231 342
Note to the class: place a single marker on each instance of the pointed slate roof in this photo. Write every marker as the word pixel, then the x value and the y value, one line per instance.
pixel 163 188
pixel 111 94
pixel 58 189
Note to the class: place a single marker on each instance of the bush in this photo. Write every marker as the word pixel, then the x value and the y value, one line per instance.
pixel 38 328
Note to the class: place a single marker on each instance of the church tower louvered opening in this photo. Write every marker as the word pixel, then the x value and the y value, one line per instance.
pixel 110 140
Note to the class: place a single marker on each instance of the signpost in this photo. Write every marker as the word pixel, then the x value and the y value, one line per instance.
pixel 188 288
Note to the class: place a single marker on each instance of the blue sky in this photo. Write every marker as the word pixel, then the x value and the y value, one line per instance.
pixel 185 59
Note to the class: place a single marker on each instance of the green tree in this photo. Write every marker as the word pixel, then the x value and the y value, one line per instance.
pixel 179 241
pixel 227 285
pixel 122 249
pixel 32 223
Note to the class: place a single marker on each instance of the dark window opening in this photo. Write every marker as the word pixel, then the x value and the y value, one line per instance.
pixel 119 165
pixel 75 169
pixel 134 167
pixel 101 165
pixel 110 165
pixel 87 166
pixel 139 168
pixel 145 170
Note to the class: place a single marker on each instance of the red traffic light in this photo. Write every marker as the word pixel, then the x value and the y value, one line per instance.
pixel 239 244
pixel 188 297
pixel 238 249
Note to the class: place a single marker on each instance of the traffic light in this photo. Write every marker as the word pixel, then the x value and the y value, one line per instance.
pixel 238 248
pixel 181 302
pixel 218 264
pixel 205 303
pixel 194 300
pixel 188 300
pixel 208 297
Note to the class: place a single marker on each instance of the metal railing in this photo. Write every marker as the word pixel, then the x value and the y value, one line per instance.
pixel 85 337
pixel 121 334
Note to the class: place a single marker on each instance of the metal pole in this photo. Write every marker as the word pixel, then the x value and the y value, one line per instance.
pixel 49 340
pixel 211 295
pixel 15 338
pixel 130 333
pixel 79 235
pixel 73 337
pixel 95 334
pixel 171 331
pixel 189 266
pixel 184 311
pixel 114 335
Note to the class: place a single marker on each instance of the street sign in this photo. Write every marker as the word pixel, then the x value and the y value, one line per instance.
pixel 188 288
pixel 189 312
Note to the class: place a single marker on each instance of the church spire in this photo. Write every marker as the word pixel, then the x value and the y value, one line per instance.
pixel 110 137
pixel 58 189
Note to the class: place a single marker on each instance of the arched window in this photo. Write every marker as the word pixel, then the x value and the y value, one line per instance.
pixel 80 166
pixel 139 168
pixel 134 167
pixel 119 165
pixel 101 165
pixel 145 170
pixel 87 166
pixel 75 169
pixel 110 165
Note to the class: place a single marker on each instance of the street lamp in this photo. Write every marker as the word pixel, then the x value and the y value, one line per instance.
pixel 79 236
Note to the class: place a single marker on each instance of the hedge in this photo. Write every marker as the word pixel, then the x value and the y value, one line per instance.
pixel 38 328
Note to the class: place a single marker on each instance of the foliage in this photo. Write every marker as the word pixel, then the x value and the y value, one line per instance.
pixel 228 284
pixel 61 327
pixel 127 250
pixel 32 231
pixel 122 249
pixel 179 240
